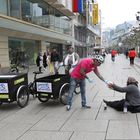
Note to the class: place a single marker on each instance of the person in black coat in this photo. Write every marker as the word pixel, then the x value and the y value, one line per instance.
pixel 45 60
pixel 39 61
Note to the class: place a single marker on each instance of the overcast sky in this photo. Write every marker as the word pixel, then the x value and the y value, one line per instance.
pixel 118 11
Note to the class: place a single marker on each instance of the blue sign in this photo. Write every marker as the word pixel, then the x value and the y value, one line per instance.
pixel 3 88
pixel 44 87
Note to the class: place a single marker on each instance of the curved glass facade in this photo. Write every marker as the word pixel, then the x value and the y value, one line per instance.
pixel 37 12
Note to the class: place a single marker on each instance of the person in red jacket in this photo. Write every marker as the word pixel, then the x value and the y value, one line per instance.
pixel 113 54
pixel 132 55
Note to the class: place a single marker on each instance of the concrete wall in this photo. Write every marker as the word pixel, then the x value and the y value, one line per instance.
pixel 4 52
pixel 43 46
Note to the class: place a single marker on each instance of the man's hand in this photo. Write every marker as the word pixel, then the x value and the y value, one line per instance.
pixel 109 84
pixel 90 80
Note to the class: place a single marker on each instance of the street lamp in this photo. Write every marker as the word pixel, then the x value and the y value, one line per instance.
pixel 120 44
pixel 138 16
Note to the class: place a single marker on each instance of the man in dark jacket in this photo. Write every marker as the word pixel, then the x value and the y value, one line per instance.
pixel 55 60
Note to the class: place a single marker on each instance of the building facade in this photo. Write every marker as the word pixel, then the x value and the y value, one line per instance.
pixel 28 27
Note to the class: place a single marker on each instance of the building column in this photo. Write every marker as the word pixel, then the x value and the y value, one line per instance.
pixel 73 34
pixel 4 52
pixel 43 46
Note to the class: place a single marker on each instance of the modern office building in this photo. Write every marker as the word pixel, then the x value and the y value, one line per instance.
pixel 31 26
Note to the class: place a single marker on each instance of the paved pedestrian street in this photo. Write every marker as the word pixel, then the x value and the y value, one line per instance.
pixel 51 121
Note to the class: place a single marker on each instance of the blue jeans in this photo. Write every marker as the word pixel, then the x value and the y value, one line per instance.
pixel 82 85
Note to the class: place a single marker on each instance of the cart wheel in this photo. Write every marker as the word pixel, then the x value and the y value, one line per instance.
pixel 43 99
pixel 22 96
pixel 77 89
pixel 63 93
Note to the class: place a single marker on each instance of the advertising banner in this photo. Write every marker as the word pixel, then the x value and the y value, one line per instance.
pixel 78 6
pixel 95 14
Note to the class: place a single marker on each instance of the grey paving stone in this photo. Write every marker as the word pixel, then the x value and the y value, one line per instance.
pixel 45 135
pixel 33 107
pixel 87 136
pixel 85 126
pixel 23 119
pixel 50 123
pixel 138 117
pixel 84 114
pixel 123 130
pixel 111 114
pixel 8 109
pixel 12 131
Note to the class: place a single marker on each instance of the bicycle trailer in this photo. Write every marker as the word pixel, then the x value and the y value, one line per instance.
pixel 14 87
pixel 52 87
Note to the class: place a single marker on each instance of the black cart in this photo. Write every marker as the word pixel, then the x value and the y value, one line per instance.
pixel 52 87
pixel 14 87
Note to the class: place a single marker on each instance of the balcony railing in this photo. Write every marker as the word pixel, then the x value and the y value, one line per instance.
pixel 54 23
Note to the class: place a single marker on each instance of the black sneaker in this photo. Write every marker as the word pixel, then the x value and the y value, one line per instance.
pixel 86 106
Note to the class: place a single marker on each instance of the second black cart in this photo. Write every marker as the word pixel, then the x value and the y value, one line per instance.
pixel 53 87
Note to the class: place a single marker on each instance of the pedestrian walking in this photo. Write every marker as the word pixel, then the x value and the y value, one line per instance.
pixel 113 54
pixel 39 61
pixel 45 60
pixel 132 97
pixel 55 60
pixel 126 54
pixel 78 76
pixel 132 55
pixel 50 64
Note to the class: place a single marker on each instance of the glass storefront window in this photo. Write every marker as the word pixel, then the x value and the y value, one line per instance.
pixel 3 7
pixel 23 51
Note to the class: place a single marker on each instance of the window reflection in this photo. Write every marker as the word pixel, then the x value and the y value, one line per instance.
pixel 15 8
pixel 3 7
pixel 26 10
pixel 40 13
pixel 36 12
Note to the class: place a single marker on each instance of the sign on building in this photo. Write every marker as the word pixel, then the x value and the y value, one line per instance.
pixel 95 14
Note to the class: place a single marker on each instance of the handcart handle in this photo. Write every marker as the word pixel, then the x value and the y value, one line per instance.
pixel 37 72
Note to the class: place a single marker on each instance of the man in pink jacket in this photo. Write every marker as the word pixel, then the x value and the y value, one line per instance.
pixel 78 75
